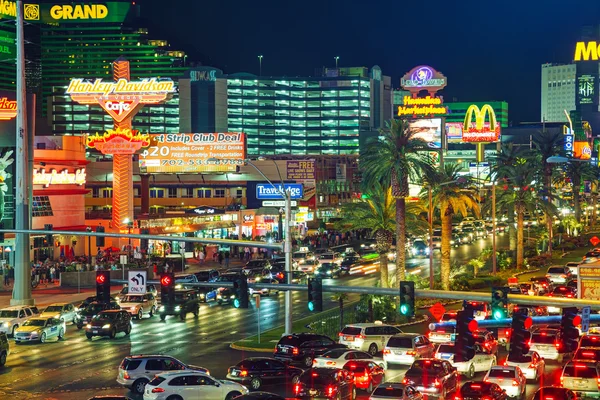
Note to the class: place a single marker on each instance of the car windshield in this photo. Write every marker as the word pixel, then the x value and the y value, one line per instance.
pixel 426 365
pixel 334 353
pixel 53 308
pixel 542 338
pixel 289 341
pixel 556 270
pixel 35 322
pixel 477 306
pixel 575 370
pixel 299 255
pixel 133 299
pixel 9 313
pixel 502 373
pixel 402 342
pixel 391 392
pixel 104 316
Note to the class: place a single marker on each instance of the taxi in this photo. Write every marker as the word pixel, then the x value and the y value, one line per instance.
pixel 481 362
pixel 40 329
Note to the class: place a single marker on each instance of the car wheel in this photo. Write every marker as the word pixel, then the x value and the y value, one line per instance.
pixel 232 395
pixel 113 333
pixel 2 358
pixel 139 386
pixel 175 397
pixel 89 336
pixel 152 311
pixel 61 334
pixel 43 337
pixel 370 387
pixel 373 350
pixel 353 393
pixel 14 328
pixel 295 379
pixel 128 330
pixel 163 317
pixel 79 327
pixel 140 314
pixel 255 383
pixel 307 361
pixel 182 316
pixel 471 372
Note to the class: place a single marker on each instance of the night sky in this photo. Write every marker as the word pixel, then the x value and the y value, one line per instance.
pixel 488 50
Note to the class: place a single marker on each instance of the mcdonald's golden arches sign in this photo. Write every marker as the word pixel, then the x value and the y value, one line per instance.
pixel 476 129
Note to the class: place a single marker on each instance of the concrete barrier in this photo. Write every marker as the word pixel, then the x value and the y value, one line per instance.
pixel 88 278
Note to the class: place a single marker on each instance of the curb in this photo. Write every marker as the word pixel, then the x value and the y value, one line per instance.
pixel 526 272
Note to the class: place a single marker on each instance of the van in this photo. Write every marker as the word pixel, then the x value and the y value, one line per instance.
pixel 369 337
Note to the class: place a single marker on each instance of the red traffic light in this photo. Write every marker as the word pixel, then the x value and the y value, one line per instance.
pixel 577 320
pixel 528 322
pixel 166 280
pixel 100 279
pixel 473 325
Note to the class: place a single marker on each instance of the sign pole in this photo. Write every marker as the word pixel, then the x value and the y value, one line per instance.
pixel 258 310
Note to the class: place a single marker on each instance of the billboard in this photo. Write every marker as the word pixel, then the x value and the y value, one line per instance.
pixel 479 130
pixel 191 153
pixel 266 191
pixel 300 170
pixel 585 89
pixel 423 77
pixel 55 13
pixel 422 106
pixel 454 132
pixel 429 130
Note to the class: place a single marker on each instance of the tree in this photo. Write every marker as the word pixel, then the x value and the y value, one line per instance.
pixel 377 212
pixel 579 172
pixel 396 157
pixel 451 197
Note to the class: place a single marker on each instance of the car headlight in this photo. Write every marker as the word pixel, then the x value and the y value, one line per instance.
pixel 202 295
pixel 329 272
pixel 89 326
pixel 232 296
pixel 107 326
pixel 57 316
pixel 177 308
pixel 76 309
pixel 5 325
pixel 161 308
pixel 35 333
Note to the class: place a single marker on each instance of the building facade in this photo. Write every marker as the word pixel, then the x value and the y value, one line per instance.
pixel 558 91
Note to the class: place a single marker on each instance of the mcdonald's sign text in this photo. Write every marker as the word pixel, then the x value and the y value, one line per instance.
pixel 587 51
pixel 479 130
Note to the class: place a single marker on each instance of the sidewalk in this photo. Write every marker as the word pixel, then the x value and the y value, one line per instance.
pixel 45 297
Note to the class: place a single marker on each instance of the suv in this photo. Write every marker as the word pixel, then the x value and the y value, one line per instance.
pixel 367 337
pixel 223 294
pixel 4 348
pixel 109 323
pixel 186 301
pixel 304 347
pixel 431 376
pixel 582 378
pixel 13 317
pixel 558 274
pixel 150 288
pixel 405 348
pixel 85 316
pixel 139 304
pixel 136 371
pixel 253 265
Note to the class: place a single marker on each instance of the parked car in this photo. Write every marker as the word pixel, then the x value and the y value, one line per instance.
pixel 4 348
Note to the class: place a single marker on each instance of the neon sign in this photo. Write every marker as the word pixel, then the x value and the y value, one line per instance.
pixel 586 51
pixel 54 177
pixel 423 77
pixel 118 141
pixel 421 106
pixel 8 109
pixel 480 131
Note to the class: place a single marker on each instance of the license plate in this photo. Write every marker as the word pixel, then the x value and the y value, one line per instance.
pixel 234 373
pixel 94 331
pixel 349 338
pixel 542 347
pixel 579 383
pixel 312 392
pixel 446 356
pixel 284 350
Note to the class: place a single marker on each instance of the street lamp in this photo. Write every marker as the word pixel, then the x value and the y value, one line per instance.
pixel 336 58
pixel 260 65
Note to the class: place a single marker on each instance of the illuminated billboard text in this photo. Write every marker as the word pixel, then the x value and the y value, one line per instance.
pixel 423 77
pixel 421 106
pixel 72 13
pixel 118 141
pixel 79 11
pixel 54 177
pixel 122 86
pixel 586 51
pixel 480 131
pixel 8 109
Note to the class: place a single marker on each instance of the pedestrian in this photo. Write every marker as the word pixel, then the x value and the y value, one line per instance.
pixel 220 258
pixel 167 266
pixel 227 255
pixel 201 256
pixel 52 272
pixel 155 270
pixel 6 275
pixel 246 253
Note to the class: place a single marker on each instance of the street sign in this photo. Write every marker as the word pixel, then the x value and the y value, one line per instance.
pixel 437 311
pixel 585 319
pixel 594 240
pixel 137 282
pixel 278 203
pixel 123 259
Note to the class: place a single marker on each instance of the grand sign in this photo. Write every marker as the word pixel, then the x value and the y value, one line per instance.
pixel 480 131
pixel 67 13
pixel 423 77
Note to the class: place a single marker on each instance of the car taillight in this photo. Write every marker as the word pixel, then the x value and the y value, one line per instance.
pixel 297 388
pixel 405 381
pixel 158 390
pixel 563 276
pixel 243 373
pixel 331 390
pixel 340 334
pixel 515 383
pixel 532 365
pixel 387 351
pixel 437 383
pixel 361 337
pixel 330 362
pixel 598 382
pixel 557 345
pixel 126 376
pixel 411 353
pixel 295 351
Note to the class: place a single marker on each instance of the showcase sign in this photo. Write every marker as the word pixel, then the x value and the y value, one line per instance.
pixel 266 191
pixel 50 13
pixel 194 153
pixel 423 77
pixel 585 89
pixel 480 131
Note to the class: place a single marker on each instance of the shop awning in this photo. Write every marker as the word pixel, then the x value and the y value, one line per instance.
pixel 167 230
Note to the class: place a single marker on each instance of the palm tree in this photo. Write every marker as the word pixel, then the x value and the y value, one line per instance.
pixel 451 198
pixel 579 172
pixel 396 157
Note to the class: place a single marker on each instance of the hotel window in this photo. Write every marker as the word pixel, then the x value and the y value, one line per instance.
pixel 157 193
pixel 41 207
pixel 95 192
pixel 204 193
pixel 107 193
pixel 239 193
pixel 172 193
pixel 219 192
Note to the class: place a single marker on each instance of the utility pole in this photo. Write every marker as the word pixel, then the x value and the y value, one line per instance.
pixel 494 260
pixel 22 286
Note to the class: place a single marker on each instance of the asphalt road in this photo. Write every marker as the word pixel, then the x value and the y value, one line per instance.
pixel 77 368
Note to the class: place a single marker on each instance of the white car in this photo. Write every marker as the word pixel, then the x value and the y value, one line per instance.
pixel 13 317
pixel 395 391
pixel 546 342
pixel 481 362
pixel 191 385
pixel 532 365
pixel 369 337
pixel 405 348
pixel 139 304
pixel 337 358
pixel 509 378
pixel 63 311
pixel 40 329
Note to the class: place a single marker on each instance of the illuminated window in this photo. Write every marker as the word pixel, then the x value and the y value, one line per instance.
pixel 220 193
pixel 41 207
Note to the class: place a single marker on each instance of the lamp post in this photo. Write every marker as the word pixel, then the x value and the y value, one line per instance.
pixel 260 65
pixel 89 229
pixel 336 58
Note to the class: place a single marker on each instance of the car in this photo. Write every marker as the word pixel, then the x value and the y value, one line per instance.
pixel 541 284
pixel 63 311
pixel 395 391
pixel 481 362
pixel 502 226
pixel 260 396
pixel 554 393
pixel 589 340
pixel 150 288
pixel 587 354
pixel 481 233
pixel 308 266
pixel 509 378
pixel 591 255
pixel 109 323
pixel 531 310
pixel 256 372
pixel 207 275
pixel 327 383
pixel 582 378
pixel 481 310
pixel 531 364
pixel 467 220
pixel 369 337
pixel 573 267
pixel 486 340
pixel 136 371
pixel 303 255
pixel 182 279
pixel 13 317
pixel 469 231
pixel 265 291
pixel 547 343
pixel 84 316
pixel 558 274
pixel 432 377
pixel 329 270
pixel 449 316
pixel 478 390
pixel 331 257
pixel 444 334
pixel 367 374
pixel 338 358
pixel 110 397
pixel 92 299
pixel 348 262
pixel 185 301
pixel 564 291
pixel 254 265
pixel 223 294
pixel 436 242
pixel 139 304
pixel 405 348
pixel 304 347
pixel 419 248
pixel 191 385
pixel 40 329
pixel 4 348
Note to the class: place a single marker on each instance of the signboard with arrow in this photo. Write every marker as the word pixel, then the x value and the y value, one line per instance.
pixel 137 282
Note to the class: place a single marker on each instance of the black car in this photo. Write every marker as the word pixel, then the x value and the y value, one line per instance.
pixel 258 371
pixel 223 294
pixel 564 291
pixel 186 301
pixel 90 300
pixel 436 377
pixel 552 392
pixel 541 284
pixel 481 390
pixel 348 262
pixel 260 396
pixel 329 270
pixel 109 323
pixel 328 383
pixel 209 275
pixel 256 264
pixel 303 347
pixel 84 316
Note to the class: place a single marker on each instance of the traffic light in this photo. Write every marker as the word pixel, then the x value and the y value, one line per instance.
pixel 520 337
pixel 499 302
pixel 103 286
pixel 167 288
pixel 100 239
pixel 49 240
pixel 240 289
pixel 315 294
pixel 144 242
pixel 568 328
pixel 407 298
pixel 465 342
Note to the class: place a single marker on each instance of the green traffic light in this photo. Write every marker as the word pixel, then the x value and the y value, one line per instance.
pixel 236 303
pixel 404 309
pixel 498 314
pixel 311 306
